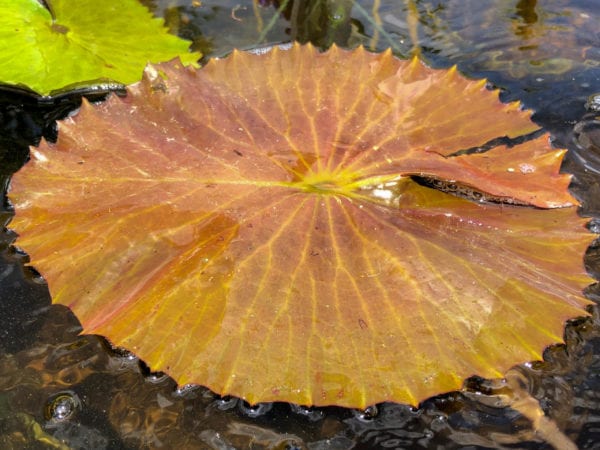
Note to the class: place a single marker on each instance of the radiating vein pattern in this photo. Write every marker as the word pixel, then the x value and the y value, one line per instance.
pixel 53 52
pixel 253 226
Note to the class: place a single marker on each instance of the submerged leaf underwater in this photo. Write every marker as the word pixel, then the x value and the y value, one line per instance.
pixel 63 388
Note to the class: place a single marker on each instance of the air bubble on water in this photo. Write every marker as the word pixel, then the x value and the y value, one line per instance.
pixel 594 226
pixel 337 17
pixel 439 423
pixel 34 275
pixel 156 377
pixel 187 391
pixel 226 402
pixel 310 413
pixel 368 414
pixel 254 410
pixel 62 406
pixel 593 103
pixel 130 357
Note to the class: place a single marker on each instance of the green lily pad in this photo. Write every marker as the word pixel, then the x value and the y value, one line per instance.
pixel 79 42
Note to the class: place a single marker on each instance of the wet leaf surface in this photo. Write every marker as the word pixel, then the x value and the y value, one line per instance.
pixel 254 207
pixel 81 43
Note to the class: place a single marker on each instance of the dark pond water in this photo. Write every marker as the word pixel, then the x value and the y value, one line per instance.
pixel 59 390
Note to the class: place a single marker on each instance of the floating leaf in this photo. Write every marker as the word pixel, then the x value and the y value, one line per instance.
pixel 254 227
pixel 85 42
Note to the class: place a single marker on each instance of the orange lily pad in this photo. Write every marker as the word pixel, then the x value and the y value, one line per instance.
pixel 255 226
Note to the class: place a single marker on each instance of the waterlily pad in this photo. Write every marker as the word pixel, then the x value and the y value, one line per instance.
pixel 81 42
pixel 525 38
pixel 255 226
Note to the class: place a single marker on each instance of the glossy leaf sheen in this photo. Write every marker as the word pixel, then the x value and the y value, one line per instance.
pixel 87 42
pixel 251 226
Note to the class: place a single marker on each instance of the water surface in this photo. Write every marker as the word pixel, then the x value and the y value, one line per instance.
pixel 62 390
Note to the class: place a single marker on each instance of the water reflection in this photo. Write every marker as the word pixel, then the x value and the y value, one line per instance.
pixel 128 408
pixel 526 19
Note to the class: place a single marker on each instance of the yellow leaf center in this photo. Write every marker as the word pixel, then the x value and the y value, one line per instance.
pixel 326 183
pixel 376 189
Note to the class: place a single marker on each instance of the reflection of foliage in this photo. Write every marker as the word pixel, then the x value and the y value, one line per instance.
pixel 249 24
pixel 325 22
pixel 21 428
pixel 322 22
pixel 267 22
pixel 331 18
pixel 533 37
pixel 525 10
pixel 527 37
